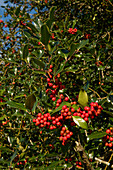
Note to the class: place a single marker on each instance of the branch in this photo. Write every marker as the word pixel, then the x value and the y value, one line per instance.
pixel 83 155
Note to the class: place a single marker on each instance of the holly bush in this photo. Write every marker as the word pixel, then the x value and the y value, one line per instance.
pixel 56 94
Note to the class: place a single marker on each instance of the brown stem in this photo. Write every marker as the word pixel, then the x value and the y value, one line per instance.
pixel 83 155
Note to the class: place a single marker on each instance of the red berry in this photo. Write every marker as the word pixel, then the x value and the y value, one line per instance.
pixel 34 120
pixel 49 117
pixel 50 70
pixel 61 96
pixel 65 114
pixel 67 109
pixel 107 137
pixel 63 128
pixel 57 104
pixel 64 107
pixel 50 66
pixel 111 139
pixel 54 98
pixel 59 101
pixel 72 110
pixel 65 138
pixel 54 86
pixel 106 144
pixel 66 99
pixel 60 138
pixel 68 136
pixel 75 114
pixel 108 131
pixel 50 84
pixel 110 145
pixel 71 133
pixel 86 108
pixel 80 163
pixel 54 122
pixel 48 79
pixel 86 119
pixel 87 115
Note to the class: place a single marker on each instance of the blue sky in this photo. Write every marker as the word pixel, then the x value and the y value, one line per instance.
pixel 2 9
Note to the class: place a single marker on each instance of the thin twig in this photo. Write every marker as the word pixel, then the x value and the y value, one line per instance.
pixel 95 92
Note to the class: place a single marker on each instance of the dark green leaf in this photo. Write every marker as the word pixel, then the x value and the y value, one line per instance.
pixel 82 43
pixel 45 34
pixel 30 101
pixel 72 50
pixel 13 156
pixel 61 68
pixel 27 34
pixel 52 10
pixel 17 10
pixel 34 106
pixel 25 52
pixel 80 122
pixel 33 28
pixel 16 105
pixel 96 135
pixel 38 62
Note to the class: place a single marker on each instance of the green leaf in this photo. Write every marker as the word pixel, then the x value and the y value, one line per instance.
pixel 61 68
pixel 49 23
pixel 72 50
pixel 30 101
pixel 108 112
pixel 52 10
pixel 80 122
pixel 2 118
pixel 83 98
pixel 2 91
pixel 34 106
pixel 45 34
pixel 40 72
pixel 27 34
pixel 38 24
pixel 25 52
pixel 38 62
pixel 96 135
pixel 33 28
pixel 82 44
pixel 13 156
pixel 51 17
pixel 16 105
pixel 17 10
pixel 75 106
pixel 60 107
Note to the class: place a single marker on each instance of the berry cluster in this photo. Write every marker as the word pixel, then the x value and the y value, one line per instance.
pixel 22 162
pixel 78 164
pixel 48 121
pixel 4 123
pixel 16 160
pixel 92 111
pixel 109 138
pixel 65 135
pixel 72 31
pixel 66 113
pixel 53 87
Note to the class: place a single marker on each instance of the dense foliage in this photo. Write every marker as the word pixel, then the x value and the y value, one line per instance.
pixel 56 95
